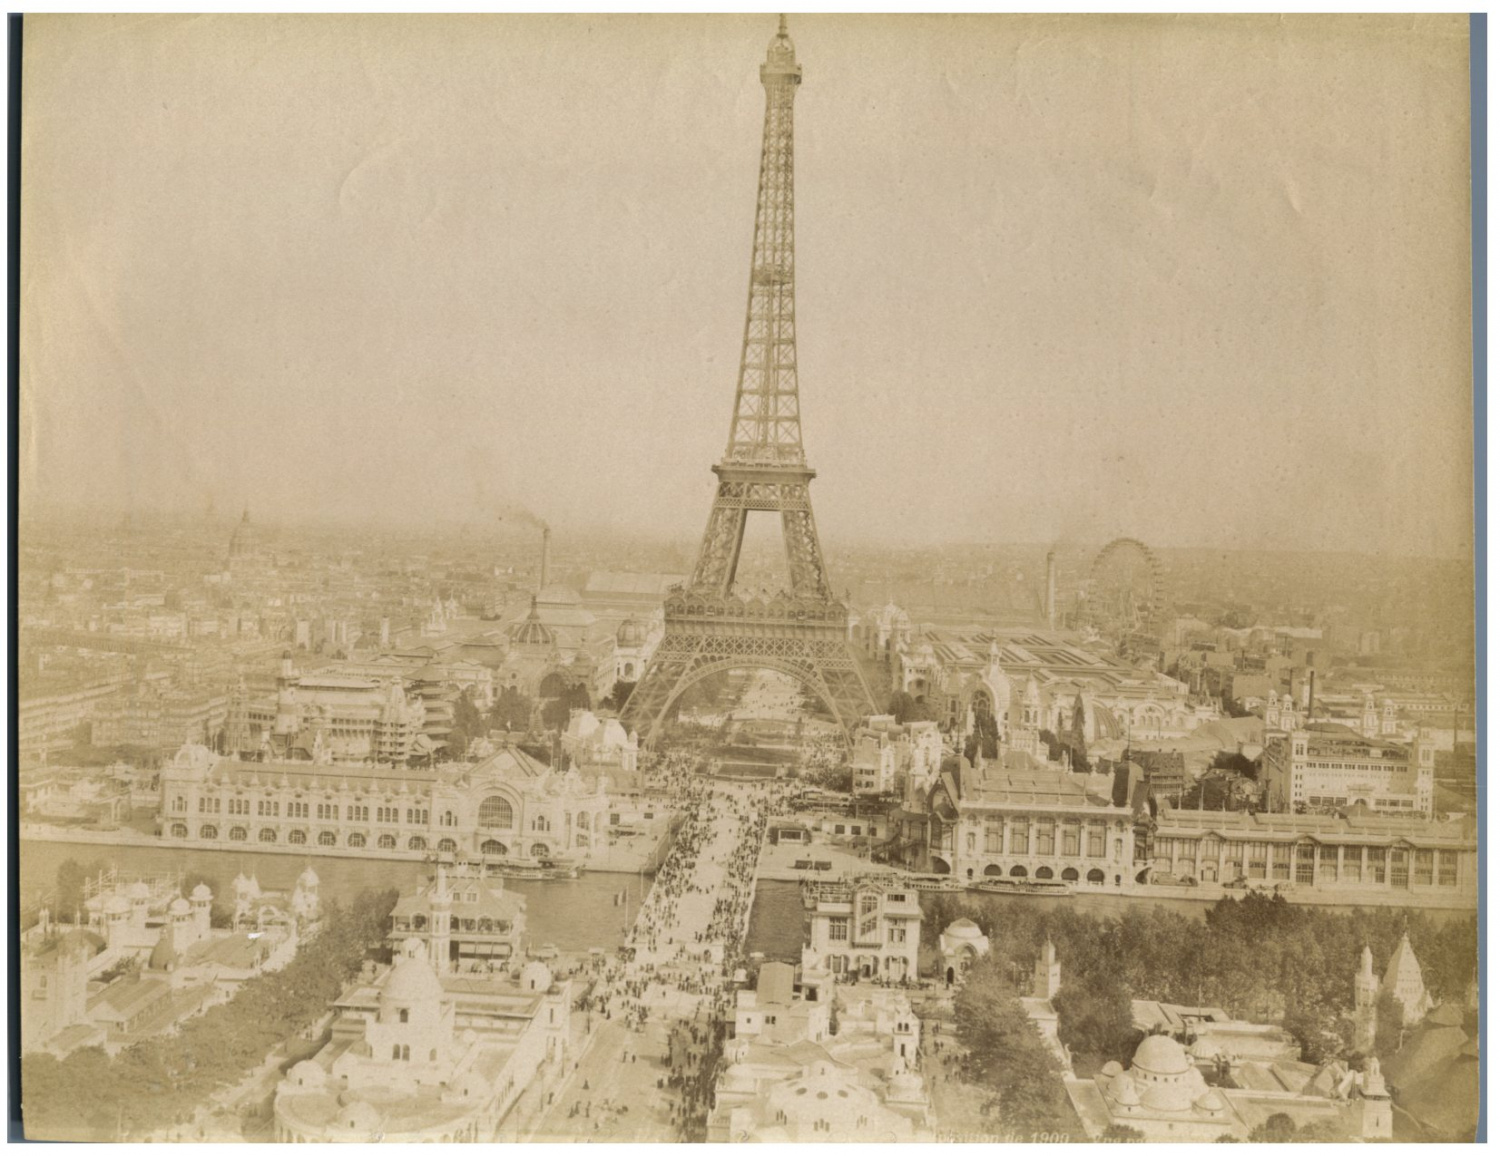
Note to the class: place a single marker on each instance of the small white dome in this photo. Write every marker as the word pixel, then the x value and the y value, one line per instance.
pixel 1161 1056
pixel 1168 1096
pixel 411 981
pixel 1123 1090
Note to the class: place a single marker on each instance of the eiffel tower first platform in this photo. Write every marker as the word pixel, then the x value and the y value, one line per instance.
pixel 710 627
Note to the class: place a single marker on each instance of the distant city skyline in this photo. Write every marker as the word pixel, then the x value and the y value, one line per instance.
pixel 1061 279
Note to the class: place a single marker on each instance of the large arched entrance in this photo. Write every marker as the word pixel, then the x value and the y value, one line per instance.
pixel 647 717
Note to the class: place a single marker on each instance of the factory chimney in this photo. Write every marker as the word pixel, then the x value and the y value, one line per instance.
pixel 546 557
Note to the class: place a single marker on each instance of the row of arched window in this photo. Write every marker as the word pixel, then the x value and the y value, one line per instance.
pixel 386 842
pixel 325 838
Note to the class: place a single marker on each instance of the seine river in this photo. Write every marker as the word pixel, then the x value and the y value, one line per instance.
pixel 573 914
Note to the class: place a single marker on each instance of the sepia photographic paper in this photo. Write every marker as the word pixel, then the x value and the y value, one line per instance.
pixel 442 718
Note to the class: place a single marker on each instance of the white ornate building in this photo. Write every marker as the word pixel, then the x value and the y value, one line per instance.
pixel 799 1072
pixel 336 718
pixel 1329 765
pixel 508 808
pixel 416 1057
pixel 889 757
pixel 601 746
pixel 991 822
pixel 1164 1096
pixel 869 927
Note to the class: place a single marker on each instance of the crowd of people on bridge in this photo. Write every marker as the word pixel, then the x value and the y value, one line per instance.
pixel 677 963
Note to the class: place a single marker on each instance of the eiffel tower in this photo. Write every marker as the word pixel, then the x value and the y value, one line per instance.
pixel 710 626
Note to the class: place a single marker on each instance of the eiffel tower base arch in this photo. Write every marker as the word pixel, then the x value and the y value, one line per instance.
pixel 825 667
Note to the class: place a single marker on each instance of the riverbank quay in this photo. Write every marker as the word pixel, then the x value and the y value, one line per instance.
pixel 631 854
pixel 817 860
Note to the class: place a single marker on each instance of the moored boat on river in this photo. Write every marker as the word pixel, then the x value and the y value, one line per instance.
pixel 493 867
pixel 1023 887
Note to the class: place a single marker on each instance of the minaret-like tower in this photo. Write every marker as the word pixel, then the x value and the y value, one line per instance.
pixel 1046 975
pixel 1366 989
pixel 710 626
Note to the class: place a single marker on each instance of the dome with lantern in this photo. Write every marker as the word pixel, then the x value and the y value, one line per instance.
pixel 632 633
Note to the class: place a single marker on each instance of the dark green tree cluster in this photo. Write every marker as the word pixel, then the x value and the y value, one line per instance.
pixel 1260 958
pixel 512 711
pixel 908 709
pixel 555 711
pixel 836 777
pixel 619 695
pixel 1280 1128
pixel 468 724
pixel 67 897
pixel 1006 1055
pixel 1214 791
pixel 1234 761
pixel 985 738
pixel 89 1096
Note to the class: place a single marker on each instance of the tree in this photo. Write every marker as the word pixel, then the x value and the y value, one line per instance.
pixel 1006 1053
pixel 71 877
pixel 902 706
pixel 1390 1019
pixel 1234 761
pixel 165 1078
pixel 619 695
pixel 511 712
pixel 1279 1128
pixel 468 724
pixel 1096 1021
pixel 555 711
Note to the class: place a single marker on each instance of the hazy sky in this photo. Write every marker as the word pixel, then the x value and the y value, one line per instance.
pixel 1202 281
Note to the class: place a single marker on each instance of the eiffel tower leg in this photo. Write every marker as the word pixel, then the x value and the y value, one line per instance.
pixel 662 682
pixel 804 556
pixel 719 556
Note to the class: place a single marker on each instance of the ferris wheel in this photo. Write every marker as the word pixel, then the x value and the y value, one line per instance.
pixel 1127 589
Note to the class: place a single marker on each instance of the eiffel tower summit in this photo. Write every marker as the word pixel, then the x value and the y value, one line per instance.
pixel 710 625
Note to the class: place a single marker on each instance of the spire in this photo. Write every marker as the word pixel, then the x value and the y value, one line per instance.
pixel 767 424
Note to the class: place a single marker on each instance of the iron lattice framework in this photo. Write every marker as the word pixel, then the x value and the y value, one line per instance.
pixel 802 632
